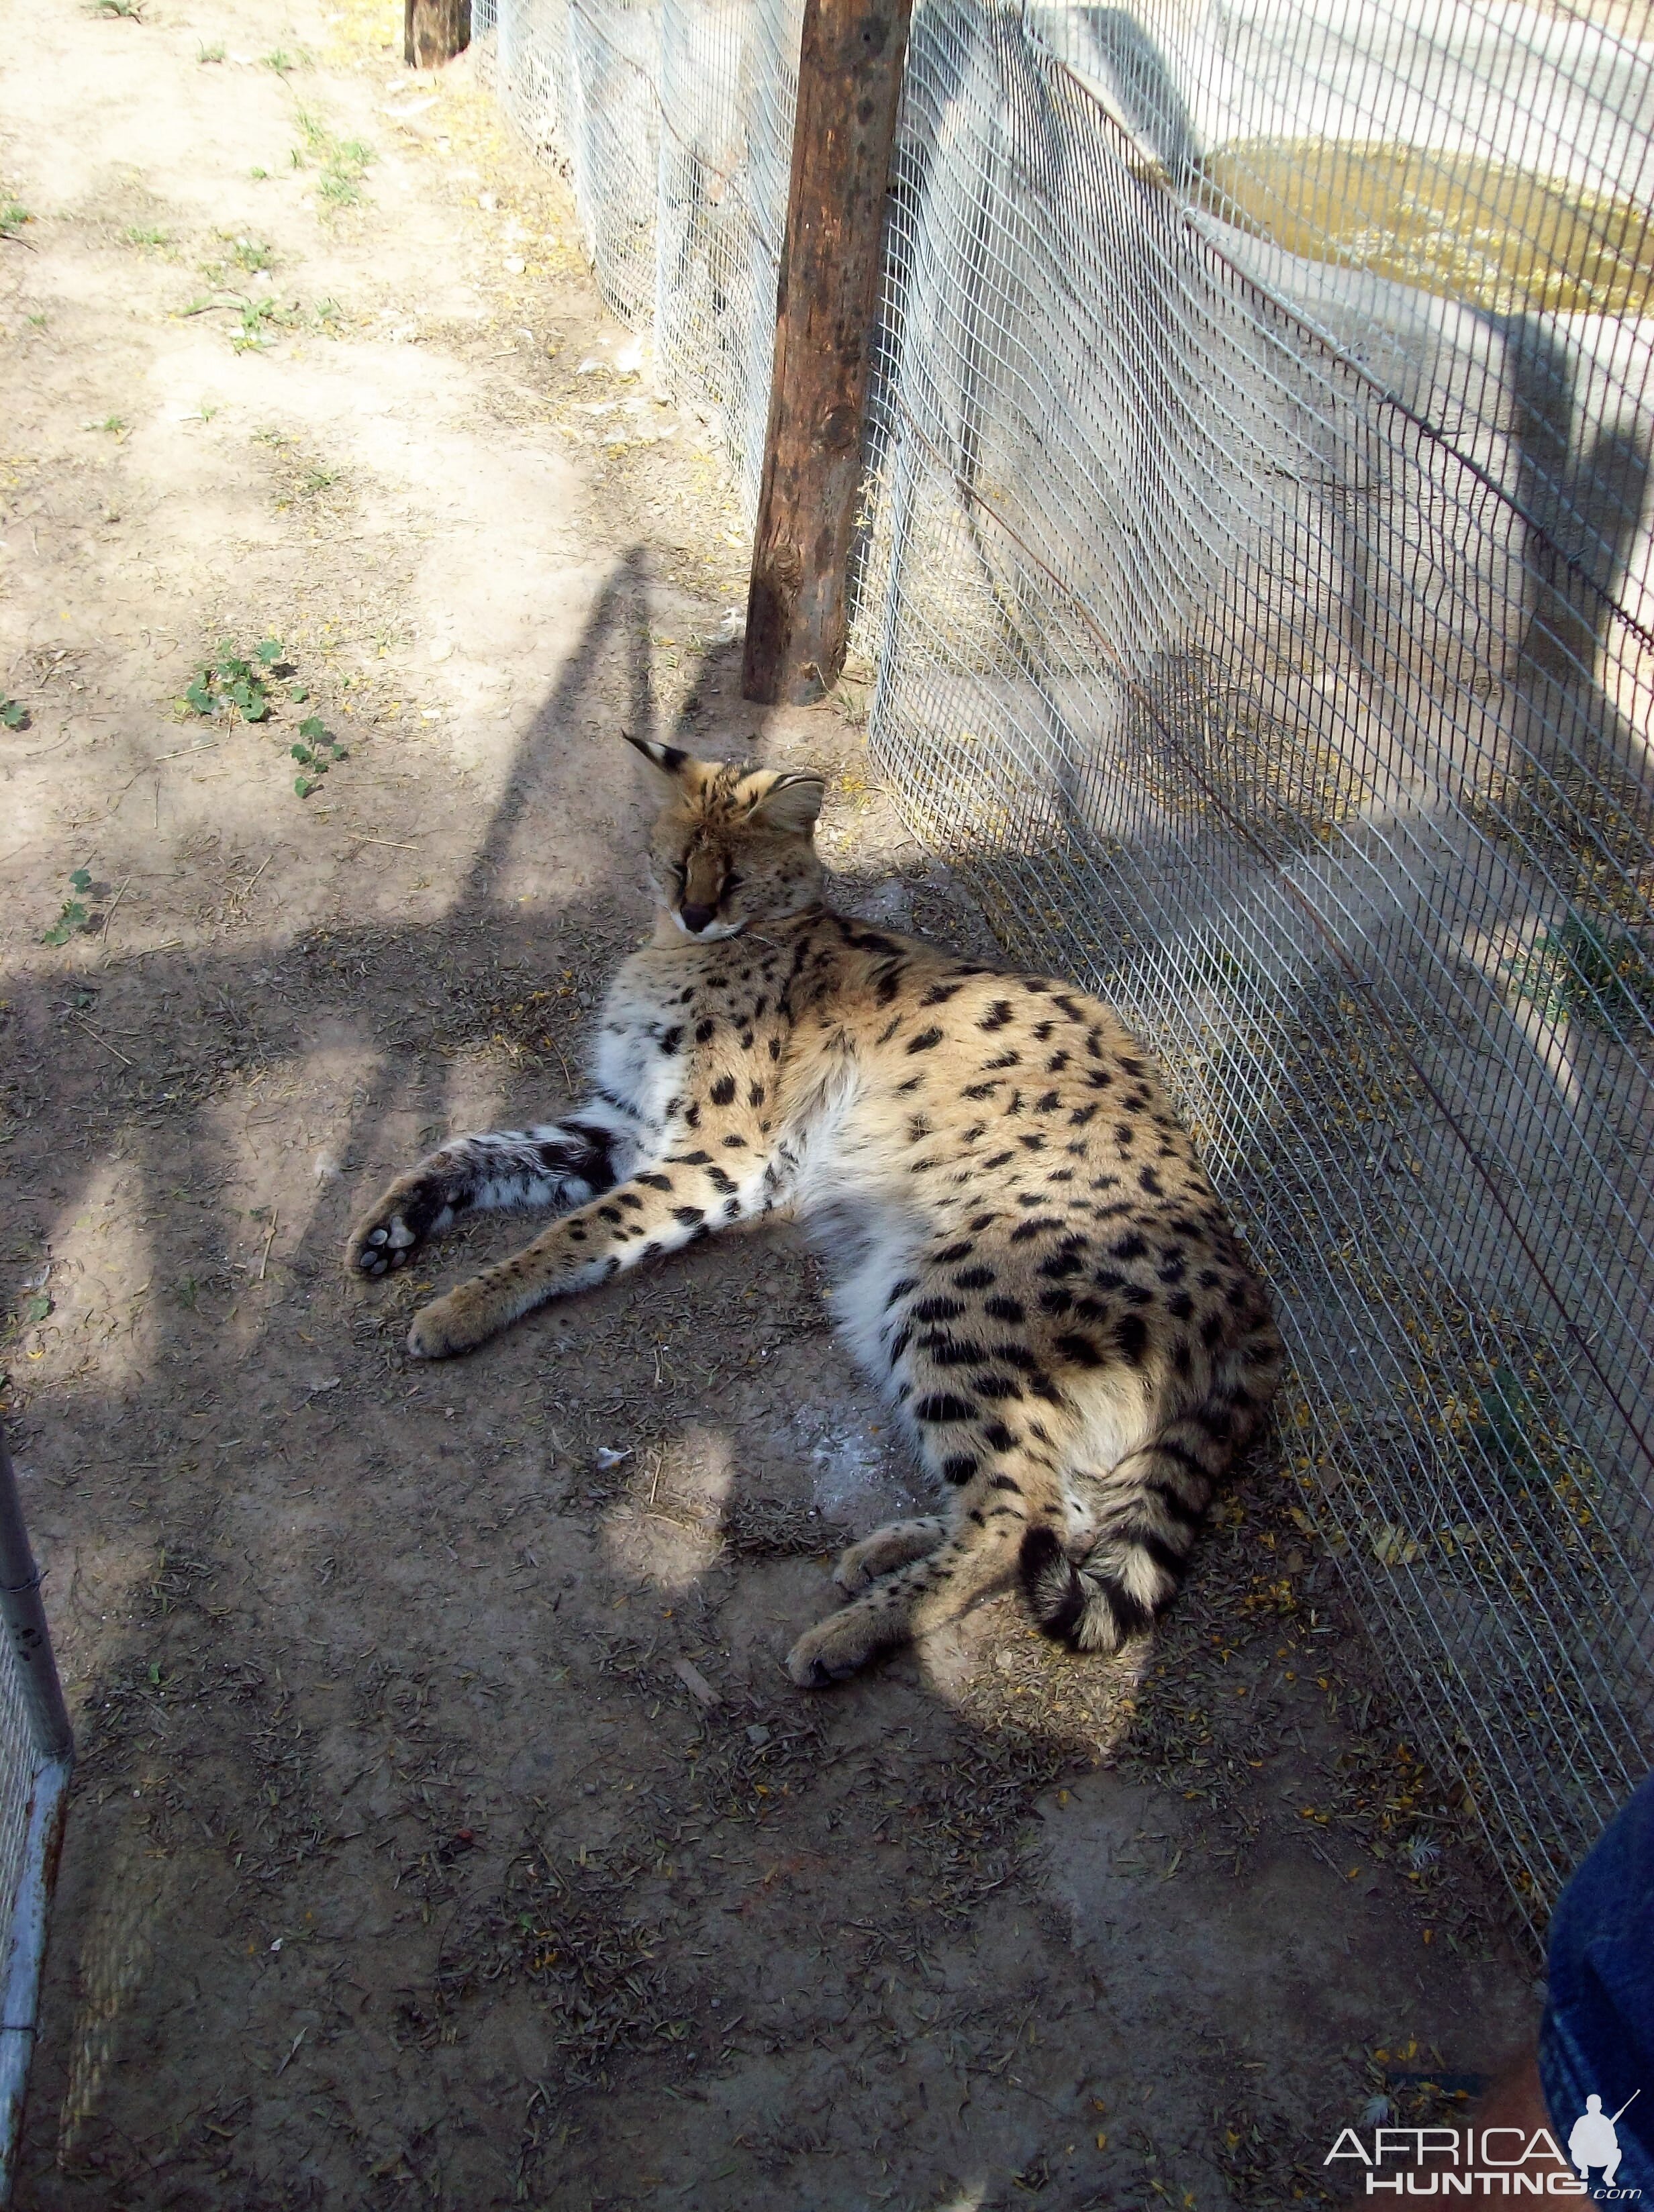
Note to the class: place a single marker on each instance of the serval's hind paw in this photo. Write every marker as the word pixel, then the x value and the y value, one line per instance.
pixel 887 1548
pixel 839 1646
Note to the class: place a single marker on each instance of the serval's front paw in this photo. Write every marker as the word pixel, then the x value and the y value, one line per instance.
pixel 836 1647
pixel 887 1549
pixel 459 1323
pixel 390 1233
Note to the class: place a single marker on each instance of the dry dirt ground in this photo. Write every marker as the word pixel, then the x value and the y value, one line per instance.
pixel 446 1832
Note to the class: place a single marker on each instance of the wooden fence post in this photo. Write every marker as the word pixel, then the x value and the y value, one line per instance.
pixel 434 31
pixel 849 89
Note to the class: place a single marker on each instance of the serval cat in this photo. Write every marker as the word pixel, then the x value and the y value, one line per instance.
pixel 1031 1263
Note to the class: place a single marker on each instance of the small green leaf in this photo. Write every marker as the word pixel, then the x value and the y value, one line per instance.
pixel 81 880
pixel 199 697
pixel 14 713
pixel 72 918
pixel 303 786
pixel 297 694
pixel 313 727
pixel 270 649
pixel 34 1310
pixel 301 753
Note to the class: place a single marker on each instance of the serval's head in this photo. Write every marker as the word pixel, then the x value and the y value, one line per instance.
pixel 732 845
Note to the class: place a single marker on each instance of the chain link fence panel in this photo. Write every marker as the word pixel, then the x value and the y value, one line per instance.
pixel 1257 576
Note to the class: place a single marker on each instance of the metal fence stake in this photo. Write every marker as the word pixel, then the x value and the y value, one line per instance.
pixel 53 1747
pixel 849 90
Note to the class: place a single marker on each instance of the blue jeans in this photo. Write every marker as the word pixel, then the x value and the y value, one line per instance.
pixel 1597 2041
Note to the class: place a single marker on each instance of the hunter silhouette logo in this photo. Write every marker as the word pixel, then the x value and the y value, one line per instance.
pixel 1592 2139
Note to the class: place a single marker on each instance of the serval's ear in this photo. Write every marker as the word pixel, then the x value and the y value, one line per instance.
pixel 789 801
pixel 670 760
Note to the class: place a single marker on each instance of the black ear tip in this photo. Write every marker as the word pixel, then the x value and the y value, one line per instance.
pixel 668 758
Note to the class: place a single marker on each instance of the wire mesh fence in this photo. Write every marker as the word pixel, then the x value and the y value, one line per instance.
pixel 1257 575
pixel 674 126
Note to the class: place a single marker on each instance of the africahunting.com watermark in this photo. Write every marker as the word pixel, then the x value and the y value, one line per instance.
pixel 1497 2161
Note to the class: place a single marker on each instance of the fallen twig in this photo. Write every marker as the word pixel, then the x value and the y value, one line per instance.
pixel 103 1041
pixel 246 890
pixel 103 935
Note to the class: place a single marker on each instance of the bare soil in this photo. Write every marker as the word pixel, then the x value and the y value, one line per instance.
pixel 444 1830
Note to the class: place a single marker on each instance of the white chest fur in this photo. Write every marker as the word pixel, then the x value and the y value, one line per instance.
pixel 641 1049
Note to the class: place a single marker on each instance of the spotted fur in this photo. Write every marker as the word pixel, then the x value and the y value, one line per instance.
pixel 1031 1261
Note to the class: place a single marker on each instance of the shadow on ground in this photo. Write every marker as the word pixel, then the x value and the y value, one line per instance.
pixel 445 1831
